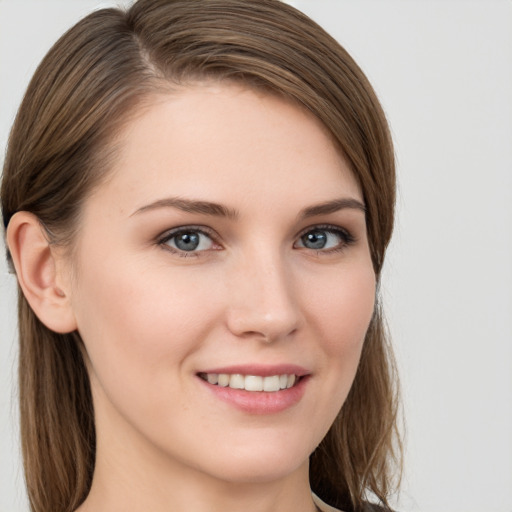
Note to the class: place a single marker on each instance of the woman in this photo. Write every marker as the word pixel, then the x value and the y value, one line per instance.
pixel 197 198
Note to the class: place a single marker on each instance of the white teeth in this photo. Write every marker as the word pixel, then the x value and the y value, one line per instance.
pixel 212 378
pixel 223 379
pixel 253 383
pixel 237 381
pixel 269 384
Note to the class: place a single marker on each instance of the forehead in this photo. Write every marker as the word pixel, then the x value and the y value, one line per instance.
pixel 218 139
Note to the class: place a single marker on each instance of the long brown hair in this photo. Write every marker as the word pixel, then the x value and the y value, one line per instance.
pixel 62 144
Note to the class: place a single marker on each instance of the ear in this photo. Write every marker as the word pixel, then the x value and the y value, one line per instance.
pixel 40 272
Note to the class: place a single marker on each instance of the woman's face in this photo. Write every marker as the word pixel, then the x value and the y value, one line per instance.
pixel 226 250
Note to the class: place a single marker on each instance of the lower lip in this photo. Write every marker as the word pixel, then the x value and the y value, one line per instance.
pixel 259 402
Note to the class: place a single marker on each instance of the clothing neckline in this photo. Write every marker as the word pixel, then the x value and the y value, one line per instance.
pixel 322 506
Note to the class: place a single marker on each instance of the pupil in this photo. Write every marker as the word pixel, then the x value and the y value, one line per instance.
pixel 187 241
pixel 315 240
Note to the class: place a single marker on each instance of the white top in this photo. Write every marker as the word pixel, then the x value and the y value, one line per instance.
pixel 323 506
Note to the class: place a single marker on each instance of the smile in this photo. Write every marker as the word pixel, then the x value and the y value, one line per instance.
pixel 271 383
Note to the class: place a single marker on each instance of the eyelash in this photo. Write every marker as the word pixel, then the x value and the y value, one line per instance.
pixel 345 236
pixel 347 239
pixel 169 235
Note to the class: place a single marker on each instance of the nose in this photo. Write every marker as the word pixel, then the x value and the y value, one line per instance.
pixel 262 303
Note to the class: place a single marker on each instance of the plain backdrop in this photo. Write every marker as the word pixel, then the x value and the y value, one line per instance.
pixel 443 71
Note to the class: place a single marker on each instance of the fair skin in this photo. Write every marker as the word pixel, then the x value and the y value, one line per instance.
pixel 267 282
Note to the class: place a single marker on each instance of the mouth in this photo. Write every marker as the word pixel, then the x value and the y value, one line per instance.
pixel 257 389
pixel 255 383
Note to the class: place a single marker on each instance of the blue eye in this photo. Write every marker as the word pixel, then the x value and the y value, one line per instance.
pixel 328 238
pixel 188 240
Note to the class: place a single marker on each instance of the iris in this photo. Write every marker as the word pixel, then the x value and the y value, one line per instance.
pixel 187 241
pixel 314 239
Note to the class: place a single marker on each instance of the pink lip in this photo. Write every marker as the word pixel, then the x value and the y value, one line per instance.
pixel 260 402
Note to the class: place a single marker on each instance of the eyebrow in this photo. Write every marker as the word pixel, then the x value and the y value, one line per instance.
pixel 332 207
pixel 219 210
pixel 190 206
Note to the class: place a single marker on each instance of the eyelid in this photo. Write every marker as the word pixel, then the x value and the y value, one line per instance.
pixel 327 227
pixel 168 234
pixel 346 235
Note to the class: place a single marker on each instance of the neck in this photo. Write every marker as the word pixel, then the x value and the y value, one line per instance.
pixel 142 477
pixel 138 490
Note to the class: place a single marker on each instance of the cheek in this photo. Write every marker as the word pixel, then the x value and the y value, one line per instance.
pixel 132 327
pixel 342 310
pixel 339 314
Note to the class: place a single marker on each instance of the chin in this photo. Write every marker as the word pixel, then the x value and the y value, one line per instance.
pixel 263 462
pixel 260 472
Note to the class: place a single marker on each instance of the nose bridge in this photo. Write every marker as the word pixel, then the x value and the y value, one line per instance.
pixel 262 299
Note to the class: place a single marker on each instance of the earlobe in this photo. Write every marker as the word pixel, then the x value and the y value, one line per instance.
pixel 39 273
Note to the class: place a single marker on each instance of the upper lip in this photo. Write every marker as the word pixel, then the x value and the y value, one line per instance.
pixel 260 370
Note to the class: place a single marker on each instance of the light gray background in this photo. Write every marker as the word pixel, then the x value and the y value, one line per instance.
pixel 443 71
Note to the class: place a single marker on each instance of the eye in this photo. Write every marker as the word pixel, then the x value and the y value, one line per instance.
pixel 325 238
pixel 187 240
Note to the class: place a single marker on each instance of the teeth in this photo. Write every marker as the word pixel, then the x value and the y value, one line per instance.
pixel 253 383
pixel 223 379
pixel 237 381
pixel 269 384
pixel 212 378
